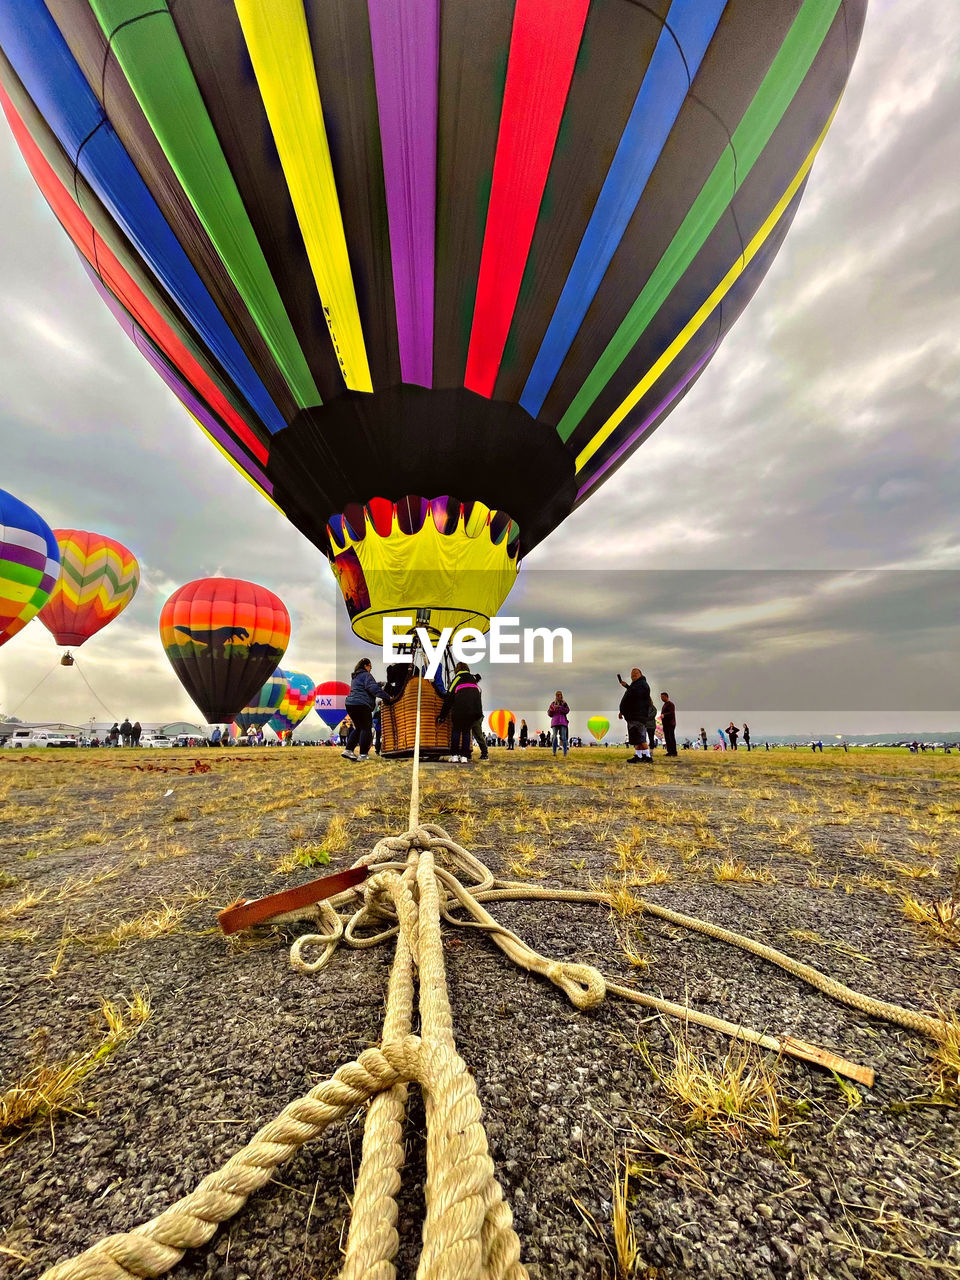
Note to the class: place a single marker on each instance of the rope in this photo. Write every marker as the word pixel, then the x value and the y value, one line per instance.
pixel 468 1226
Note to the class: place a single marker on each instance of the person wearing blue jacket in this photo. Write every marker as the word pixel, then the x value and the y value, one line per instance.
pixel 360 703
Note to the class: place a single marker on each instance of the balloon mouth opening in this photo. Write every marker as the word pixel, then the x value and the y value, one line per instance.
pixel 448 516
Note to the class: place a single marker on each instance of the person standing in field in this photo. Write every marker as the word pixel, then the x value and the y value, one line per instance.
pixel 746 736
pixel 360 703
pixel 635 706
pixel 558 711
pixel 463 704
pixel 524 735
pixel 668 718
pixel 733 733
pixel 511 735
pixel 703 738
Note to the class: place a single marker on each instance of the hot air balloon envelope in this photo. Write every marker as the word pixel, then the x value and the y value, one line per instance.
pixel 98 579
pixel 598 726
pixel 405 252
pixel 329 701
pixel 223 637
pixel 262 707
pixel 500 722
pixel 29 564
pixel 295 704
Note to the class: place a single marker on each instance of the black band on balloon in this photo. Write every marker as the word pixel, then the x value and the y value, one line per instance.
pixel 409 440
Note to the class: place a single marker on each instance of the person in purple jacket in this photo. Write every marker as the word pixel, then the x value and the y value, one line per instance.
pixel 558 711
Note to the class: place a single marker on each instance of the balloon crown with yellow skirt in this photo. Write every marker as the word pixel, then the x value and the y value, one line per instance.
pixel 437 561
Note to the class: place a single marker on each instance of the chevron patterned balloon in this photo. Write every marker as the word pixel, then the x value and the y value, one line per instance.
pixel 98 579
pixel 29 564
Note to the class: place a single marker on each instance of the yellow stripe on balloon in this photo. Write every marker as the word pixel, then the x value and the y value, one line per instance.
pixel 236 465
pixel 279 45
pixel 711 304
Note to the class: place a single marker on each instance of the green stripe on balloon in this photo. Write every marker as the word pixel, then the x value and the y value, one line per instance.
pixel 149 51
pixel 776 92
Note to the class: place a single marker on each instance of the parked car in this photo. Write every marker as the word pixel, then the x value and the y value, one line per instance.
pixel 156 740
pixel 31 739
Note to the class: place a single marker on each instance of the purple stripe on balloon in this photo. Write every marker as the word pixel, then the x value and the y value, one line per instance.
pixel 647 422
pixel 405 35
pixel 180 389
pixel 24 555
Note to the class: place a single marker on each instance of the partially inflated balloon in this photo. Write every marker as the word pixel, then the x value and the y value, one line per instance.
pixel 223 637
pixel 329 701
pixel 29 564
pixel 500 722
pixel 598 726
pixel 265 703
pixel 98 579
pixel 295 704
pixel 428 274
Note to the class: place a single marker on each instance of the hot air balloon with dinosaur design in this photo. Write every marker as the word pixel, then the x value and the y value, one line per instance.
pixel 223 637
pixel 29 564
pixel 98 579
pixel 427 278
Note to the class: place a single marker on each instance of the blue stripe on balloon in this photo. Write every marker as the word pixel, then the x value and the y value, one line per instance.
pixel 50 74
pixel 654 113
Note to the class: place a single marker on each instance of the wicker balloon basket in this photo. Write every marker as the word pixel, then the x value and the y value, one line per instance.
pixel 399 723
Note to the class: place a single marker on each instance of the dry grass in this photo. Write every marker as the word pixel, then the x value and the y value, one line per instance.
pixel 733 1095
pixel 622 902
pixel 50 1089
pixel 625 1246
pixel 844 948
pixel 24 903
pixel 163 919
pixel 946 1056
pixel 817 881
pixel 941 918
pixel 526 856
pixel 733 871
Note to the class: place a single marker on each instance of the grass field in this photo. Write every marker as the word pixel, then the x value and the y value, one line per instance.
pixel 139 1047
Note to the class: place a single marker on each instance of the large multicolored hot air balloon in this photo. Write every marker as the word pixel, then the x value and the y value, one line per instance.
pixel 500 722
pixel 329 701
pixel 295 704
pixel 599 726
pixel 223 637
pixel 263 706
pixel 98 579
pixel 427 272
pixel 29 564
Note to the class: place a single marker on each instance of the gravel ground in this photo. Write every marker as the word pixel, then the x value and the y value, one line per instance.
pixel 855 1183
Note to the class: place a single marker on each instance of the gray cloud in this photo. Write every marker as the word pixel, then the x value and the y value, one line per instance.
pixel 822 437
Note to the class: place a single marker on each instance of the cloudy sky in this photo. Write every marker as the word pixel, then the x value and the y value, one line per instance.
pixel 811 479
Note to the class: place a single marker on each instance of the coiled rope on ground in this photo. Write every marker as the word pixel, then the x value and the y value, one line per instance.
pixel 468 1228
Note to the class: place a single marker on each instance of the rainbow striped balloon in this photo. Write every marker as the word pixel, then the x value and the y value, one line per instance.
pixel 29 564
pixel 263 706
pixel 98 579
pixel 295 704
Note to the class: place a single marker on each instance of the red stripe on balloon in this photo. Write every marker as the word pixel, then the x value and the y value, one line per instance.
pixel 116 278
pixel 543 51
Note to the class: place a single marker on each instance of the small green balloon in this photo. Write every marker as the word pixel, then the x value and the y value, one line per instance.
pixel 598 726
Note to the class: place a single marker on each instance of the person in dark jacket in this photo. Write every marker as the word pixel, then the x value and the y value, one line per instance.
pixel 668 718
pixel 524 735
pixel 360 703
pixel 476 729
pixel 733 733
pixel 635 709
pixel 746 737
pixel 126 731
pixel 135 733
pixel 703 737
pixel 462 702
pixel 511 735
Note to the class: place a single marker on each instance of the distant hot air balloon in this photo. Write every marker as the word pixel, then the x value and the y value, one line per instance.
pixel 29 564
pixel 295 704
pixel 98 579
pixel 262 707
pixel 329 701
pixel 428 274
pixel 500 722
pixel 598 726
pixel 223 637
